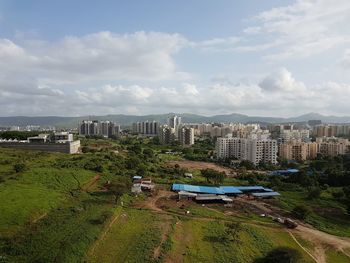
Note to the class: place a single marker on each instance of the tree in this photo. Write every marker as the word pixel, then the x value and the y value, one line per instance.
pixel 301 212
pixel 281 254
pixel 247 164
pixel 233 230
pixel 213 176
pixel 148 153
pixel 314 193
pixel 119 186
pixel 19 167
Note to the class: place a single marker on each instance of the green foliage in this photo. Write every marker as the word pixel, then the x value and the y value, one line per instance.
pixel 301 212
pixel 213 176
pixel 19 167
pixel 281 254
pixel 314 193
pixel 19 135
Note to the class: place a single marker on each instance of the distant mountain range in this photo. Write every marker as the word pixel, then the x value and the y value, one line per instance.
pixel 186 117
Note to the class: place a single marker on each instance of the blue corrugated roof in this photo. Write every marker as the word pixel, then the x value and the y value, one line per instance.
pixel 137 177
pixel 230 190
pixel 287 171
pixel 250 188
pixel 197 189
pixel 265 194
pixel 218 190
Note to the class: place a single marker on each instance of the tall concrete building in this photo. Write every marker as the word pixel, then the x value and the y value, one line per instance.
pixel 252 150
pixel 149 128
pixel 186 135
pixel 103 128
pixel 166 134
pixel 174 121
pixel 296 150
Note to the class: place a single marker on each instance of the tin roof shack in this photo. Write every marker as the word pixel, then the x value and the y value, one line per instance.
pixel 188 175
pixel 265 195
pixel 136 177
pixel 285 172
pixel 136 188
pixel 146 184
pixel 212 198
pixel 183 195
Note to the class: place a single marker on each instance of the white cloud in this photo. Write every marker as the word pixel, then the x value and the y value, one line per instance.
pixel 306 27
pixel 282 81
pixel 100 56
pixel 345 61
pixel 277 94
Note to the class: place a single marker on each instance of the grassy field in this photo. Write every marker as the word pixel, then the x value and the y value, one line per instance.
pixel 204 241
pixel 327 215
pixel 133 237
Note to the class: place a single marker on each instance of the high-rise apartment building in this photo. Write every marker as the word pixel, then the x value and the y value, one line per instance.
pixel 186 135
pixel 103 128
pixel 252 150
pixel 149 128
pixel 166 134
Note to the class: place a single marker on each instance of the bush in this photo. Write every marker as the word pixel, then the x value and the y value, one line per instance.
pixel 19 167
pixel 338 195
pixel 301 212
pixel 314 193
pixel 281 254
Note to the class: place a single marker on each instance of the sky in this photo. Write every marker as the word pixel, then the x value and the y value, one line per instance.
pixel 264 58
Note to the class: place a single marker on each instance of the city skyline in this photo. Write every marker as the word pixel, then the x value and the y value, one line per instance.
pixel 276 58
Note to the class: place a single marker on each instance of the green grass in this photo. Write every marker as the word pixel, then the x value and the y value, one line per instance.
pixel 206 241
pixel 330 222
pixel 35 192
pixel 335 256
pixel 132 238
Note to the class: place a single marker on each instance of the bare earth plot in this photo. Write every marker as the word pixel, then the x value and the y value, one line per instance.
pixel 199 165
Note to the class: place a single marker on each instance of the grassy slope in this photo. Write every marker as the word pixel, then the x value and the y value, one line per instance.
pixel 132 238
pixel 197 241
pixel 331 222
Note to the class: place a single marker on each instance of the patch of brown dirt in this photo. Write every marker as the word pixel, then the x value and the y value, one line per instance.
pixel 200 165
pixel 165 228
pixel 181 237
pixel 91 183
pixel 322 242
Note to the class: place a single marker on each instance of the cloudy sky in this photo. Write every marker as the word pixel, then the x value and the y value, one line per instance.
pixel 267 58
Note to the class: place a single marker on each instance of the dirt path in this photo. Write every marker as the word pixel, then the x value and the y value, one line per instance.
pixel 320 257
pixel 150 203
pixel 165 228
pixel 322 242
pixel 91 183
pixel 92 250
pixel 181 238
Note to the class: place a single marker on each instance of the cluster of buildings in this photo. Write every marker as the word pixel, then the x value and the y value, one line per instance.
pixel 174 130
pixel 301 151
pixel 107 129
pixel 28 128
pixel 331 130
pixel 56 142
pixel 288 142
pixel 224 194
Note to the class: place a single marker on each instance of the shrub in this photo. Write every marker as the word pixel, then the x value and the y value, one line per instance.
pixel 314 193
pixel 301 212
pixel 19 167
